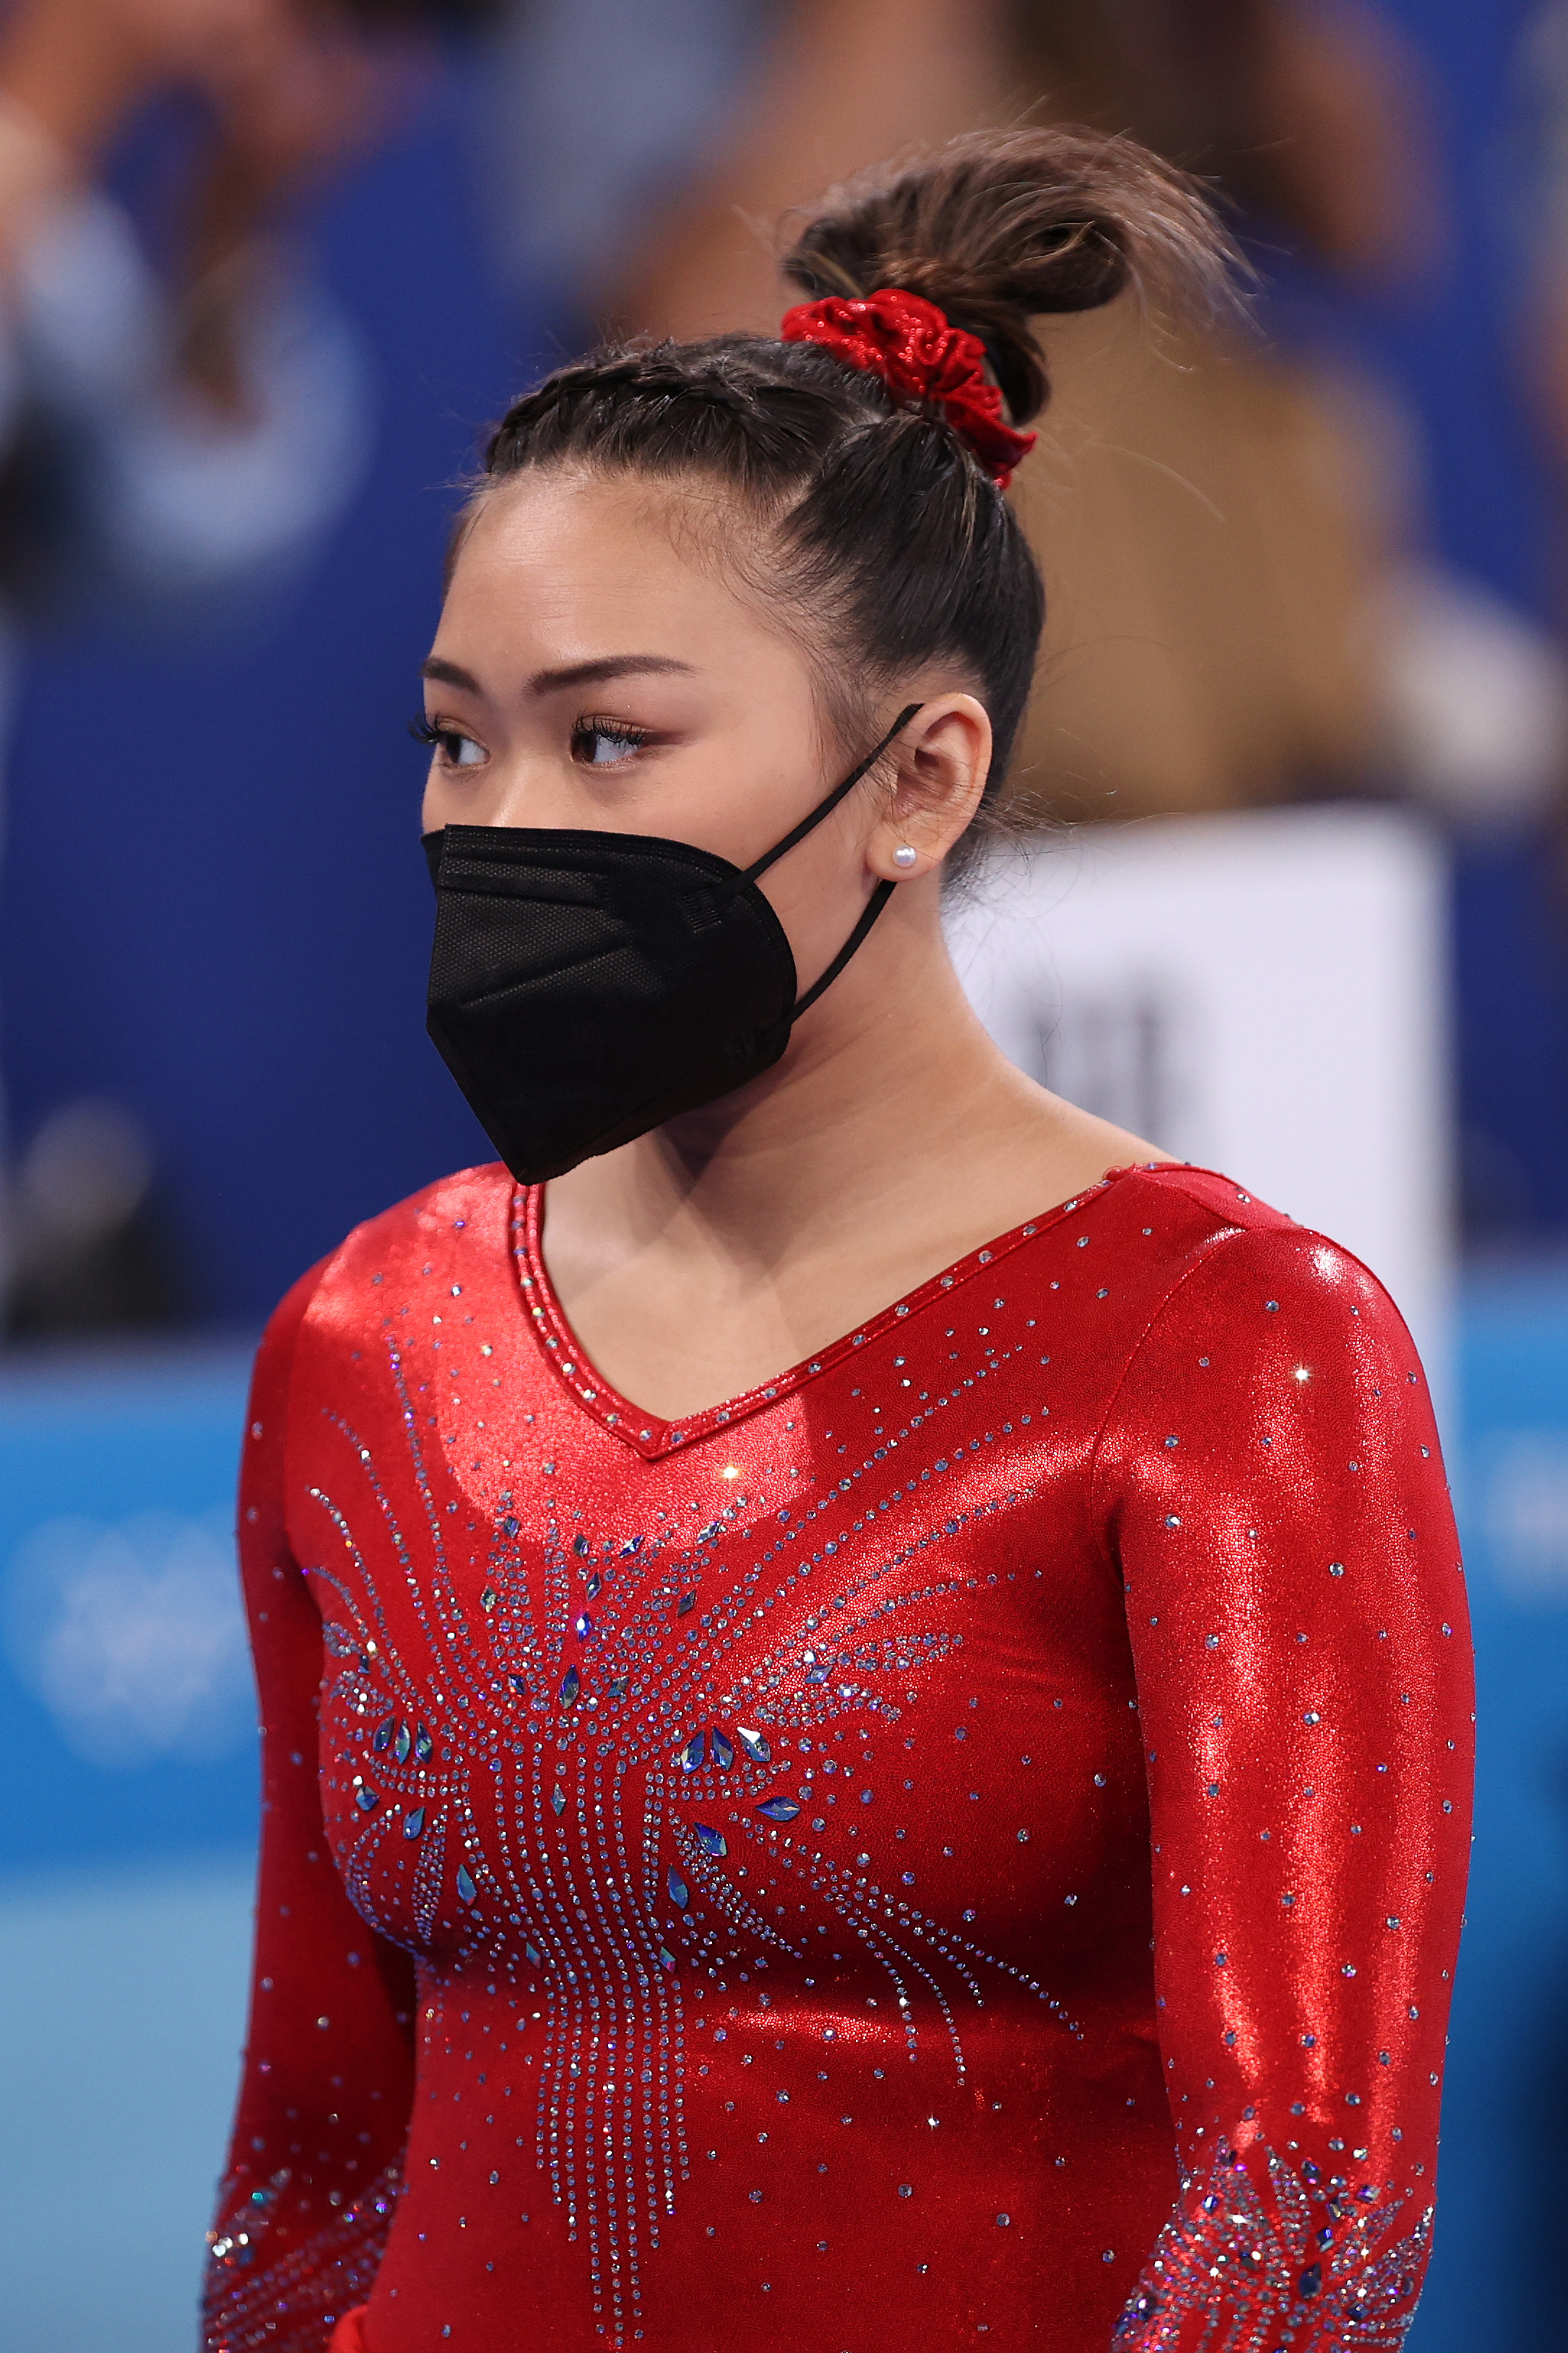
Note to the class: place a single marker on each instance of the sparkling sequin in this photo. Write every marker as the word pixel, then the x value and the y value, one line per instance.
pixel 1239 2255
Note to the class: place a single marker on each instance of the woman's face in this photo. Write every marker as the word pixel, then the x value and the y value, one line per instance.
pixel 595 667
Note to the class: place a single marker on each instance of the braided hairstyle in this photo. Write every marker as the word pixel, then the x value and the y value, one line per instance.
pixel 873 523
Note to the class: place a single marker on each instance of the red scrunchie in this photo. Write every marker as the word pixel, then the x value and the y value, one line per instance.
pixel 920 357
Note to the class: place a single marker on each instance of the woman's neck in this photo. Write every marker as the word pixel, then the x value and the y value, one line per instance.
pixel 893 1137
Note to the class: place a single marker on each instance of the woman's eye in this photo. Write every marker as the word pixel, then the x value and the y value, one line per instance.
pixel 600 744
pixel 456 749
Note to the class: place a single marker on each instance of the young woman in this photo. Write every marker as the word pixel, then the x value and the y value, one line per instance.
pixel 865 1689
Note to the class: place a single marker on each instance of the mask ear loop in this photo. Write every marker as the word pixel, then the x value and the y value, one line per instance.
pixel 874 906
pixel 880 896
pixel 824 808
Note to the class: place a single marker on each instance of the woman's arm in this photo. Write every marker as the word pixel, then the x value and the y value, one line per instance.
pixel 1271 1479
pixel 318 2143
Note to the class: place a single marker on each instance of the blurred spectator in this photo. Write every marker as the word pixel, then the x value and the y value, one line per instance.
pixel 1541 191
pixel 165 433
pixel 87 1249
pixel 160 437
pixel 1235 616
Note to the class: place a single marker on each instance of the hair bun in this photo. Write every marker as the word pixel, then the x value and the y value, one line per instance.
pixel 1000 228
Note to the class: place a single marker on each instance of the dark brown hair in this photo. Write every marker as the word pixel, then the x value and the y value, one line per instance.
pixel 877 526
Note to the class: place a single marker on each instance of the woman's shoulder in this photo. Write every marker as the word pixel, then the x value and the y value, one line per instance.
pixel 454 1232
pixel 1221 1250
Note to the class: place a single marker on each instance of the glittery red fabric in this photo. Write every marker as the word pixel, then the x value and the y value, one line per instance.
pixel 923 359
pixel 964 1844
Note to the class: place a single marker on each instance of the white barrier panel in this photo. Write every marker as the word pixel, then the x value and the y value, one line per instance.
pixel 1264 994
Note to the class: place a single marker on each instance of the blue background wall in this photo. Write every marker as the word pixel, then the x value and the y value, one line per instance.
pixel 212 903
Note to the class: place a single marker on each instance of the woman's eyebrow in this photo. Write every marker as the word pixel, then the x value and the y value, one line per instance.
pixel 593 673
pixel 549 681
pixel 448 673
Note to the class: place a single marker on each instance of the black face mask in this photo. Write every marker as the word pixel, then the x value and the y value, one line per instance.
pixel 585 987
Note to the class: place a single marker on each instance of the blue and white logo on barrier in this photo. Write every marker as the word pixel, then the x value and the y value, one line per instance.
pixel 131 1634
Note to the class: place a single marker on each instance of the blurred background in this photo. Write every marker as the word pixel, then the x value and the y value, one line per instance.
pixel 1288 889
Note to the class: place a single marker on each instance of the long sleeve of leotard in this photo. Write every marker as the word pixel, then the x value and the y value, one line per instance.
pixel 1270 1477
pixel 315 2160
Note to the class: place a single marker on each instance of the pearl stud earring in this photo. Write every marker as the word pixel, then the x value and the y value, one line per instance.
pixel 906 854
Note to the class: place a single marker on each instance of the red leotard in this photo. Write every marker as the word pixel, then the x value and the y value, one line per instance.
pixel 963 1845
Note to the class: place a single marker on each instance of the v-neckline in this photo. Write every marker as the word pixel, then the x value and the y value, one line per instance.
pixel 651 1436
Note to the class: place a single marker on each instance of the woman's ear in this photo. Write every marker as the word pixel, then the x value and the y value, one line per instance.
pixel 943 758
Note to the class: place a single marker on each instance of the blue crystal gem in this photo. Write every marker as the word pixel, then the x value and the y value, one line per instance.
pixel 692 1755
pixel 383 1733
pixel 779 1809
pixel 595 1583
pixel 632 1544
pixel 557 1800
pixel 711 1840
pixel 403 1744
pixel 509 1527
pixel 582 1626
pixel 617 1686
pixel 678 1891
pixel 571 1684
pixel 817 1670
pixel 413 1824
pixel 517 1683
pixel 667 1957
pixel 723 1750
pixel 1310 2281
pixel 366 1798
pixel 754 1744
pixel 466 1888
pixel 534 1955
pixel 1142 2307
pixel 686 1602
pixel 423 1745
pixel 581 1547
